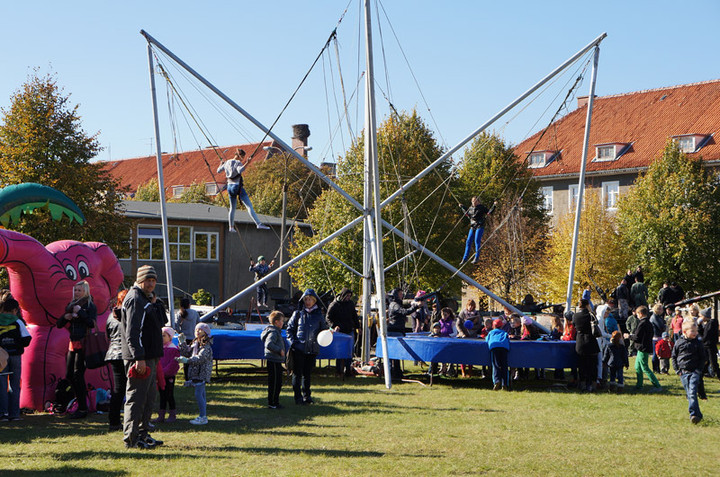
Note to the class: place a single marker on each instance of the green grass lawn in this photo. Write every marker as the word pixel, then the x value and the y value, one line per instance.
pixel 357 427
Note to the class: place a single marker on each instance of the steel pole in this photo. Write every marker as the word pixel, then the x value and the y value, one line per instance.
pixel 581 180
pixel 161 186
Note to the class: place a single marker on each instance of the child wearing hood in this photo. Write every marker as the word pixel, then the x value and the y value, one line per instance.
pixel 275 356
pixel 169 367
pixel 199 356
pixel 499 346
pixel 302 331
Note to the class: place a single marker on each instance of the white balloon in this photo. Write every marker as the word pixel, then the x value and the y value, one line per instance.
pixel 324 338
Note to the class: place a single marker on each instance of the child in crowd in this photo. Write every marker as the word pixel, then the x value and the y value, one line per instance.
pixel 170 367
pixel 515 332
pixel 688 358
pixel 275 357
pixel 199 356
pixel 663 350
pixel 14 338
pixel 643 343
pixel 499 346
pixel 676 324
pixel 557 328
pixel 114 358
pixel 434 333
pixel 487 328
pixel 615 357
pixel 446 321
pixel 529 330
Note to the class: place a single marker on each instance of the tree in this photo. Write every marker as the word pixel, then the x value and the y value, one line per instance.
pixel 202 297
pixel 405 147
pixel 670 221
pixel 148 192
pixel 601 252
pixel 195 194
pixel 264 184
pixel 41 140
pixel 514 242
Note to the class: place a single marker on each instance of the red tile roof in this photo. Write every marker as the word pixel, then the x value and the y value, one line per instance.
pixel 644 119
pixel 183 168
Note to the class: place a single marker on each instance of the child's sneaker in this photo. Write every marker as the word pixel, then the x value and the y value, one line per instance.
pixel 199 421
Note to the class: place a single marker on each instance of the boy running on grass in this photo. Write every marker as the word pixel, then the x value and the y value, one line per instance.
pixel 688 358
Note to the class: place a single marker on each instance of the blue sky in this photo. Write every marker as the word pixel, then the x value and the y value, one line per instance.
pixel 471 58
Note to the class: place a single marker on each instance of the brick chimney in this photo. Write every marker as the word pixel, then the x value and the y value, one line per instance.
pixel 301 132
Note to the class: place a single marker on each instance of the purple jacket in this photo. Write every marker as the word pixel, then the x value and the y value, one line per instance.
pixel 170 367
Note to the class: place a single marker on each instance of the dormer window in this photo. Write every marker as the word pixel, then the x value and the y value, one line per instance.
pixel 689 143
pixel 610 151
pixel 178 191
pixel 539 159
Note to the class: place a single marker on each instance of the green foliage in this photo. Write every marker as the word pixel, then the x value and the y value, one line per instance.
pixel 41 140
pixel 670 221
pixel 405 147
pixel 195 194
pixel 148 192
pixel 264 184
pixel 514 243
pixel 202 297
pixel 600 252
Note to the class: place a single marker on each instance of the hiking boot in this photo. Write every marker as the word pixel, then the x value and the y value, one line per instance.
pixel 153 442
pixel 139 445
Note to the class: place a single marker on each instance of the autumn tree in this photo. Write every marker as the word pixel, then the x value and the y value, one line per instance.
pixel 601 252
pixel 42 140
pixel 195 194
pixel 264 184
pixel 514 242
pixel 405 147
pixel 148 192
pixel 670 220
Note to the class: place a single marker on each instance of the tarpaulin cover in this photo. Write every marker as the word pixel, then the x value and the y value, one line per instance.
pixel 523 354
pixel 246 344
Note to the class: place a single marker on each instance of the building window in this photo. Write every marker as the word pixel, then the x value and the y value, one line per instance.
pixel 605 153
pixel 211 188
pixel 547 194
pixel 206 246
pixel 149 243
pixel 124 252
pixel 610 194
pixel 572 197
pixel 180 245
pixel 686 144
pixel 537 159
pixel 178 190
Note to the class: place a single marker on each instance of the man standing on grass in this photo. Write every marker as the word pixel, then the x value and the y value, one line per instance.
pixel 143 317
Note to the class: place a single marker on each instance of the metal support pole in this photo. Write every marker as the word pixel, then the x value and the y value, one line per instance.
pixel 371 155
pixel 161 186
pixel 389 267
pixel 581 180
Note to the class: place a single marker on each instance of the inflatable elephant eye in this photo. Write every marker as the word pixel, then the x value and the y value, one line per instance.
pixel 70 272
pixel 83 269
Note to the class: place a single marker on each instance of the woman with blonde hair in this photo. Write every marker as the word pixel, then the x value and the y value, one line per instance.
pixel 80 315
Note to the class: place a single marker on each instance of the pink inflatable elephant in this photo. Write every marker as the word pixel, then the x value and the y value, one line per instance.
pixel 41 280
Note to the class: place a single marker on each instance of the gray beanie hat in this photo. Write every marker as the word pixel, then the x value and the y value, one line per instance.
pixel 145 272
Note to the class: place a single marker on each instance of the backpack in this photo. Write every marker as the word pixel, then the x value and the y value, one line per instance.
pixel 63 395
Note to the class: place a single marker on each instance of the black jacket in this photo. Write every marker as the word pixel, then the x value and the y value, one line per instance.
pixel 477 215
pixel 615 356
pixel 710 333
pixel 688 355
pixel 343 314
pixel 85 320
pixel 141 329
pixel 585 342
pixel 114 335
pixel 643 336
pixel 397 314
pixel 305 325
pixel 14 337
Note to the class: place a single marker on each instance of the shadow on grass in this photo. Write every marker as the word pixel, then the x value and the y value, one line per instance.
pixel 165 452
pixel 65 470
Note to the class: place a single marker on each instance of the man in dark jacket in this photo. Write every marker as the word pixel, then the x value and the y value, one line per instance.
pixel 342 316
pixel 396 318
pixel 643 342
pixel 710 341
pixel 586 346
pixel 143 317
pixel 302 331
pixel 622 295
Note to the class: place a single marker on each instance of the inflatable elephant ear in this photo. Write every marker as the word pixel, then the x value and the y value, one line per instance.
pixel 41 280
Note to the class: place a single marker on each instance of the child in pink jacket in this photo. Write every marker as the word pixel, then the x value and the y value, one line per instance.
pixel 170 369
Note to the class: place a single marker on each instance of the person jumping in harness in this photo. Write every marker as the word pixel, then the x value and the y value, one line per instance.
pixel 261 269
pixel 233 170
pixel 477 213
